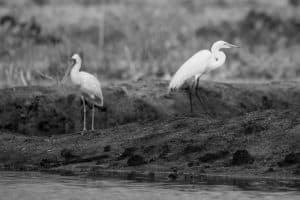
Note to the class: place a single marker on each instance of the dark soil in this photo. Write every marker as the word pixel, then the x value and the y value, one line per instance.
pixel 146 130
pixel 241 157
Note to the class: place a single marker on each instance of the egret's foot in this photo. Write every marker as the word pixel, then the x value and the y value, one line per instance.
pixel 83 131
pixel 189 93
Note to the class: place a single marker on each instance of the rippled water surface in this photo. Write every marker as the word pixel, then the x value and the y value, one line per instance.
pixel 33 186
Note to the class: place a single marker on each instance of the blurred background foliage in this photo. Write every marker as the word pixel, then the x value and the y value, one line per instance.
pixel 136 39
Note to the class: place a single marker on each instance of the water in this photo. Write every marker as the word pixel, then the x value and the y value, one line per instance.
pixel 39 186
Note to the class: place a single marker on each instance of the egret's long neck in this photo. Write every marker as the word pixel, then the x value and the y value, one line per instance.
pixel 76 66
pixel 217 57
pixel 75 73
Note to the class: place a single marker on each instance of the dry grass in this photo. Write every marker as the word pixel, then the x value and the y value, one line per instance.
pixel 132 39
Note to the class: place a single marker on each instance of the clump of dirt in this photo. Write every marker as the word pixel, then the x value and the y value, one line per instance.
pixel 252 127
pixel 127 152
pixel 209 157
pixel 136 160
pixel 241 157
pixel 68 154
pixel 290 159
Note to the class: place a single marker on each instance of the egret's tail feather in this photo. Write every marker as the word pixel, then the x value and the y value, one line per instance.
pixel 98 102
pixel 100 106
pixel 174 84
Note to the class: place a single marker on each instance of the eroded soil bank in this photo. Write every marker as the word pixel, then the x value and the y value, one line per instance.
pixel 251 129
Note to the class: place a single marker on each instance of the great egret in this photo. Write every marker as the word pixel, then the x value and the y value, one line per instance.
pixel 199 64
pixel 90 88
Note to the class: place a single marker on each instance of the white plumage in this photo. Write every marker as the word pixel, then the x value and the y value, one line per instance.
pixel 193 66
pixel 198 64
pixel 90 87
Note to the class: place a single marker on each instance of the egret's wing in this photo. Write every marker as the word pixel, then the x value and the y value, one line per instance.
pixel 193 66
pixel 92 87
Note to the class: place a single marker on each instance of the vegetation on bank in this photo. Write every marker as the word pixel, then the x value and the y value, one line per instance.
pixel 133 39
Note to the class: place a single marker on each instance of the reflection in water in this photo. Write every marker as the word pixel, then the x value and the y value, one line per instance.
pixel 33 186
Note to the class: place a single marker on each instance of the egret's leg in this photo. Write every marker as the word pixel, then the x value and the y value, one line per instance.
pixel 190 93
pixel 191 100
pixel 196 85
pixel 84 114
pixel 196 89
pixel 93 116
pixel 197 94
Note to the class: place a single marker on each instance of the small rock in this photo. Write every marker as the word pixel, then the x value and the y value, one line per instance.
pixel 127 152
pixel 173 176
pixel 251 128
pixel 190 164
pixel 135 160
pixel 270 169
pixel 213 156
pixel 106 148
pixel 68 154
pixel 149 149
pixel 290 159
pixel 48 163
pixel 241 157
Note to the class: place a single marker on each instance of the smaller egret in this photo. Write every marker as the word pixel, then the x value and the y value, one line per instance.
pixel 199 64
pixel 89 86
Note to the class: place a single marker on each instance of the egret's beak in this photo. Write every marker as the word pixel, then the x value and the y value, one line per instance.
pixel 232 45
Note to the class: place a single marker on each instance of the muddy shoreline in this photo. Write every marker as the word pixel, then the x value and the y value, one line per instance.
pixel 253 130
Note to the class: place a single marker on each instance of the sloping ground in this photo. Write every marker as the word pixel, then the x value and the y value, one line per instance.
pixel 58 110
pixel 253 129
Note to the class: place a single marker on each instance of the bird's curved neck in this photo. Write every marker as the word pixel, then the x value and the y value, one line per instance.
pixel 76 66
pixel 217 57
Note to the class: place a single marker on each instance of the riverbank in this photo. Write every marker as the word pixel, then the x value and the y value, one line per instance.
pixel 252 130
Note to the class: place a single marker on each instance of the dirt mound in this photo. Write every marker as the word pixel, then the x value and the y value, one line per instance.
pixel 201 146
pixel 58 110
pixel 254 131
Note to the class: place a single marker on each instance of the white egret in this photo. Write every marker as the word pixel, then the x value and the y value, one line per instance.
pixel 90 88
pixel 199 64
